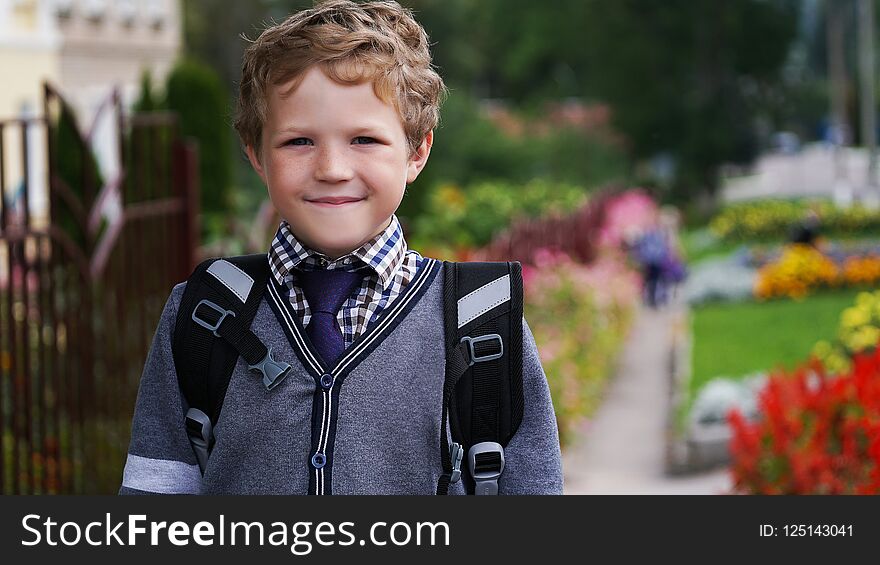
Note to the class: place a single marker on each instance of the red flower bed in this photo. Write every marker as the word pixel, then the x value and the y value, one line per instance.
pixel 816 434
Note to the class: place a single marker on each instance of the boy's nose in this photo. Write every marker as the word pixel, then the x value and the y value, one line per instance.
pixel 332 165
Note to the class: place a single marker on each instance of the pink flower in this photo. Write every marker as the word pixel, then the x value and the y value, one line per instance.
pixel 528 276
pixel 631 212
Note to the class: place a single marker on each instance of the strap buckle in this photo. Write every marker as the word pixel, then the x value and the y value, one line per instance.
pixel 486 463
pixel 206 323
pixel 456 453
pixel 273 371
pixel 201 435
pixel 472 354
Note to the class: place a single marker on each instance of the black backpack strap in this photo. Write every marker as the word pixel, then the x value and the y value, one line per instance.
pixel 212 329
pixel 482 395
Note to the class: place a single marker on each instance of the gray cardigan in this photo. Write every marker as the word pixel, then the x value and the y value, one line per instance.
pixel 377 427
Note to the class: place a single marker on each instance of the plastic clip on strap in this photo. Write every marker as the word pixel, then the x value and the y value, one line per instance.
pixel 273 371
pixel 486 463
pixel 201 435
pixel 456 453
pixel 456 366
pixel 249 346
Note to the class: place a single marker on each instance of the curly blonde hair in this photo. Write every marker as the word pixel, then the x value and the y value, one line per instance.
pixel 352 43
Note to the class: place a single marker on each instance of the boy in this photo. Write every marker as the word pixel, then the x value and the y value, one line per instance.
pixel 336 112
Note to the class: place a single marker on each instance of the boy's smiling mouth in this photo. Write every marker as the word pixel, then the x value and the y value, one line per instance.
pixel 334 201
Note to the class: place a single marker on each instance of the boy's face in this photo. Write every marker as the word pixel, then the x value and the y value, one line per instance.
pixel 335 160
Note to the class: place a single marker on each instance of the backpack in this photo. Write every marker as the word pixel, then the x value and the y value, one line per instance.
pixel 482 392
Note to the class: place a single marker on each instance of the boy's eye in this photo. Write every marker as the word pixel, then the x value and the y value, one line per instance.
pixel 300 141
pixel 363 140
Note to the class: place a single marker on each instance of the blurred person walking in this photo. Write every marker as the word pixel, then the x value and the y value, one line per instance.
pixel 651 252
pixel 658 253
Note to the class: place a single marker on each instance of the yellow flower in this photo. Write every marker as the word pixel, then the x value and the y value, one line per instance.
pixel 451 196
pixel 837 364
pixel 800 269
pixel 822 349
pixel 854 316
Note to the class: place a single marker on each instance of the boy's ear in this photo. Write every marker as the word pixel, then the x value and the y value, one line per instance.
pixel 419 158
pixel 255 161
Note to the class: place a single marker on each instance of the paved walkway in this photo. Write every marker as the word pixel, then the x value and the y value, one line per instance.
pixel 622 449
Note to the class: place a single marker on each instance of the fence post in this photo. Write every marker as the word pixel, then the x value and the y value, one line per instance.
pixel 186 182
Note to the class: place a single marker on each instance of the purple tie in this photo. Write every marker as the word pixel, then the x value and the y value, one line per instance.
pixel 326 292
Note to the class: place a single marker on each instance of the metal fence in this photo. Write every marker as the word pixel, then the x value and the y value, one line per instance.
pixel 82 287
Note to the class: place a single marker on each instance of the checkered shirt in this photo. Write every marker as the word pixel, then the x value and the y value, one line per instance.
pixel 391 268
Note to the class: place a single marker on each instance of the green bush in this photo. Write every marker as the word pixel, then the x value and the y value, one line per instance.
pixel 194 92
pixel 470 150
pixel 568 155
pixel 467 149
pixel 471 216
pixel 78 169
pixel 146 101
pixel 774 219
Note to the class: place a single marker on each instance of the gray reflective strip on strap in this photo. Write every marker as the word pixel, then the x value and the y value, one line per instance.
pixel 235 279
pixel 162 476
pixel 483 299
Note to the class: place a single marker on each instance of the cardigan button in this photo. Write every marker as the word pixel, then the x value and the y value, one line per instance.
pixel 326 381
pixel 319 460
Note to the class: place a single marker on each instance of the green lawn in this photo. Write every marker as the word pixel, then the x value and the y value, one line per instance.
pixel 700 245
pixel 736 339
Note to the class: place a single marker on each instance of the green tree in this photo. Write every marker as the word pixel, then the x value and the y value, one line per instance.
pixel 195 93
pixel 146 101
pixel 688 78
pixel 684 79
pixel 77 169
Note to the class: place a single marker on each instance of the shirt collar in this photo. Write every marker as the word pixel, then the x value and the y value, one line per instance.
pixel 383 254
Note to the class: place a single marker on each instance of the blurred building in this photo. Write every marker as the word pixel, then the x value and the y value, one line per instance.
pixel 85 49
pixel 107 43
